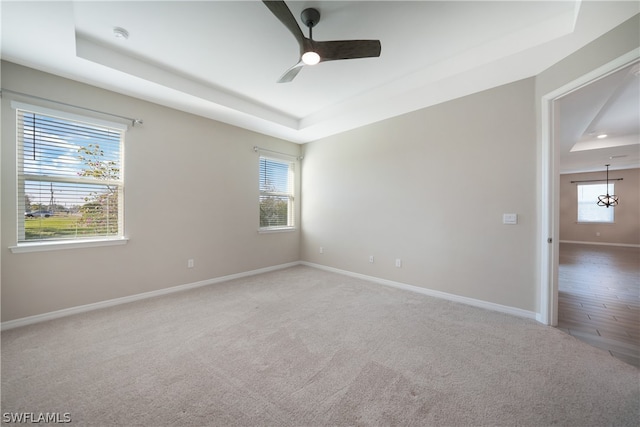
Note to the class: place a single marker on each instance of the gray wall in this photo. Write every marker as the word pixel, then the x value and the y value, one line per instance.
pixel 191 192
pixel 430 188
pixel 626 226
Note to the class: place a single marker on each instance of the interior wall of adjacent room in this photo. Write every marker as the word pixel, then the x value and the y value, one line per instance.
pixel 191 192
pixel 430 188
pixel 626 226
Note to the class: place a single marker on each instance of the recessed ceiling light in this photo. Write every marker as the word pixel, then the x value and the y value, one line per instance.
pixel 120 33
pixel 602 136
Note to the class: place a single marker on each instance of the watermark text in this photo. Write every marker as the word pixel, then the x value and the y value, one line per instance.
pixel 36 417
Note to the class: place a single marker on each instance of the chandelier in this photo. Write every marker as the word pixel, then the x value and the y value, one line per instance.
pixel 608 199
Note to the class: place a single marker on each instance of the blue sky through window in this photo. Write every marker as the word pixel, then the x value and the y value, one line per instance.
pixel 274 175
pixel 56 150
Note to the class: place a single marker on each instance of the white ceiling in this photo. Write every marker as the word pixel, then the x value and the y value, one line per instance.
pixel 221 59
pixel 609 105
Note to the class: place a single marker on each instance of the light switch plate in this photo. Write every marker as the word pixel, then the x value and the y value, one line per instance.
pixel 510 218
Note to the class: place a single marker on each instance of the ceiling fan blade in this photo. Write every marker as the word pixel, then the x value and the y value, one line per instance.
pixel 283 13
pixel 291 73
pixel 347 49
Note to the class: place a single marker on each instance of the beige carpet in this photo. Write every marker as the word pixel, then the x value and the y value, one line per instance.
pixel 304 347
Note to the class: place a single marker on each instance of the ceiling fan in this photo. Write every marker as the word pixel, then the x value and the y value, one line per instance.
pixel 311 51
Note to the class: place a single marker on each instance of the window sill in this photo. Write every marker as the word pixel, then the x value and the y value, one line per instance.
pixel 60 245
pixel 594 222
pixel 276 230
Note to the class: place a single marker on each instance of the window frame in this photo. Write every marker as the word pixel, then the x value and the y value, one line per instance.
pixel 23 175
pixel 290 195
pixel 611 210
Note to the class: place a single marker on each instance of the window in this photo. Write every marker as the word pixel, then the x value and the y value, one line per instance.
pixel 588 209
pixel 276 193
pixel 70 177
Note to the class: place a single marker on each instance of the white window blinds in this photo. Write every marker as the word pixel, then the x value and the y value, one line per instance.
pixel 276 193
pixel 70 178
pixel 588 209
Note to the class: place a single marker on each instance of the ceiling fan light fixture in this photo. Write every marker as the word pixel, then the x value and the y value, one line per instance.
pixel 310 58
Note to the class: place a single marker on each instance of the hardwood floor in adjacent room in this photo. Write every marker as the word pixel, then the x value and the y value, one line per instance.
pixel 599 297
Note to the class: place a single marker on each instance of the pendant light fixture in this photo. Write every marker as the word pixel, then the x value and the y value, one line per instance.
pixel 608 199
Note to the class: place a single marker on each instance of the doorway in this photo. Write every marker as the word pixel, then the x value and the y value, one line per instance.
pixel 551 167
pixel 581 303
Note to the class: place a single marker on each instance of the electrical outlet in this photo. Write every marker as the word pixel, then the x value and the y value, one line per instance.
pixel 370 258
pixel 190 263
pixel 321 250
pixel 398 262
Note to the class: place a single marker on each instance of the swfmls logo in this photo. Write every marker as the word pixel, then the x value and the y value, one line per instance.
pixel 36 417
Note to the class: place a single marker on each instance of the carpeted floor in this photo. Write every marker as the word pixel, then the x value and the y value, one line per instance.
pixel 305 347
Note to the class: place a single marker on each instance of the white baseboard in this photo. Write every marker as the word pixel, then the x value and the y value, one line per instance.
pixel 145 295
pixel 11 324
pixel 432 293
pixel 627 245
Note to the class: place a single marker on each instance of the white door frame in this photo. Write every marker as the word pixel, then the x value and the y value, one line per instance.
pixel 550 188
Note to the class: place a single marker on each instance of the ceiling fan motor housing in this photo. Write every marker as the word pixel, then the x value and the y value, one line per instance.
pixel 310 17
